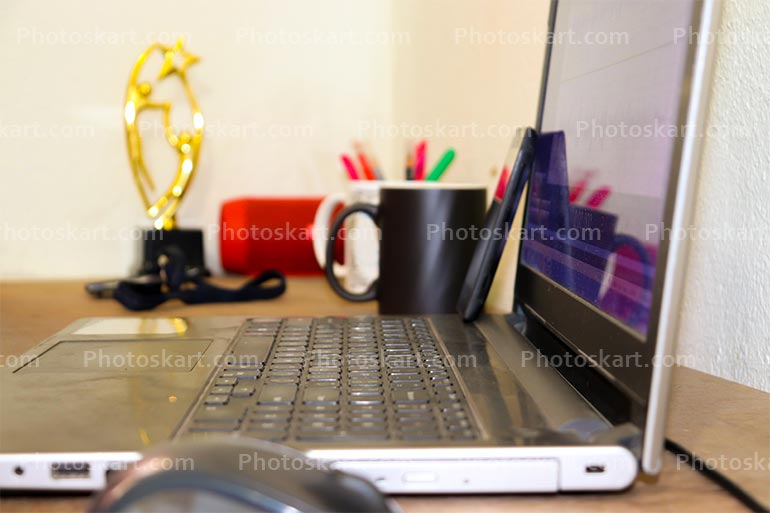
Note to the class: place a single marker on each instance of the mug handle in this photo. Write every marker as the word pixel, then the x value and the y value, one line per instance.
pixel 370 293
pixel 320 224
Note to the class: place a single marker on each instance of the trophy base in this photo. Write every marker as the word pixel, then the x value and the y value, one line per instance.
pixel 154 242
pixel 188 241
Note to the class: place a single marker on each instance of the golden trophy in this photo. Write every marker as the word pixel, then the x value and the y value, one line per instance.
pixel 161 205
pixel 172 263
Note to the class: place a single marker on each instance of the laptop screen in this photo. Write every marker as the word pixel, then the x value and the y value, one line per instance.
pixel 608 124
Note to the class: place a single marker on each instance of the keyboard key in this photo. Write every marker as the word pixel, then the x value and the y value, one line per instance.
pixel 406 386
pixel 282 373
pixel 298 352
pixel 466 434
pixel 365 437
pixel 221 390
pixel 319 408
pixel 319 436
pixel 406 427
pixel 415 418
pixel 255 346
pixel 328 380
pixel 457 425
pixel 376 427
pixel 244 364
pixel 404 374
pixel 365 384
pixel 288 360
pixel 286 366
pixel 265 434
pixel 299 321
pixel 284 380
pixel 318 369
pixel 270 417
pixel 369 408
pixel 319 417
pixel 410 397
pixel 455 415
pixel 321 396
pixel 267 426
pixel 272 408
pixel 214 428
pixel 367 417
pixel 277 394
pixel 243 391
pixel 216 400
pixel 361 401
pixel 405 379
pixel 413 408
pixel 242 374
pixel 317 426
pixel 226 381
pixel 219 414
pixel 364 374
pixel 375 392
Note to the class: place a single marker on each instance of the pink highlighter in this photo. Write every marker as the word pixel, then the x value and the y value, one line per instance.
pixel 419 160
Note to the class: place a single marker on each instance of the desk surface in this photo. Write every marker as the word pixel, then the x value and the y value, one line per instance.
pixel 717 419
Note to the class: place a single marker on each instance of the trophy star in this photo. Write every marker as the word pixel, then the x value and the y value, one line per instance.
pixel 171 62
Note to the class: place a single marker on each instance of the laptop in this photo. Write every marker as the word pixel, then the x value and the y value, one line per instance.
pixel 566 392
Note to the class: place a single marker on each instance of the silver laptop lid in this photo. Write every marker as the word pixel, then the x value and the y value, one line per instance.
pixel 601 263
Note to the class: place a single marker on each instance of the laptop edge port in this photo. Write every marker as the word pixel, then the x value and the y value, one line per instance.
pixel 71 470
pixel 595 469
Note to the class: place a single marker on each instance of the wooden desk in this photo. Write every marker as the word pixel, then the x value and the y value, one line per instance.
pixel 713 417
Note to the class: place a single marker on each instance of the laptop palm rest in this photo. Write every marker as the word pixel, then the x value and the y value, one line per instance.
pixel 104 395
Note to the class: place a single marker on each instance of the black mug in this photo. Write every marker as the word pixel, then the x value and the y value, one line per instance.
pixel 428 232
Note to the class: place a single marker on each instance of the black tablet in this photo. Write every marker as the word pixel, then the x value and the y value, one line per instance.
pixel 497 224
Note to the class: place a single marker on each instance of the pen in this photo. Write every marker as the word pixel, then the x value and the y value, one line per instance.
pixel 409 164
pixel 376 168
pixel 367 168
pixel 442 165
pixel 349 167
pixel 419 160
pixel 373 164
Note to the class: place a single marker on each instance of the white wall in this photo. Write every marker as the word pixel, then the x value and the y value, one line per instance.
pixel 266 66
pixel 725 326
pixel 321 72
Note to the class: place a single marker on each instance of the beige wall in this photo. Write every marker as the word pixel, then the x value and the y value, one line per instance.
pixel 725 325
pixel 283 88
pixel 473 73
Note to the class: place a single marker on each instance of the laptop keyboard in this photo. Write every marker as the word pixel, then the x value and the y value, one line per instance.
pixel 335 380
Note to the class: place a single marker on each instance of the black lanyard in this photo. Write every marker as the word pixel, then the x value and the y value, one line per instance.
pixel 175 283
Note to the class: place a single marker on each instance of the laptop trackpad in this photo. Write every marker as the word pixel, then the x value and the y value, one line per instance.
pixel 123 356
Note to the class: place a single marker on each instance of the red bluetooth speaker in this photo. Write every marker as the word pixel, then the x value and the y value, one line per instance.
pixel 268 233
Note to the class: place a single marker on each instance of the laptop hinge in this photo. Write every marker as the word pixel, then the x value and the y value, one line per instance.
pixel 602 393
pixel 626 435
